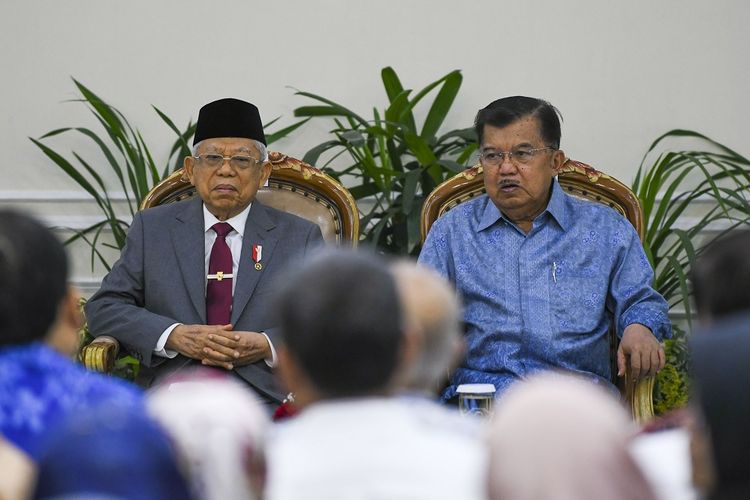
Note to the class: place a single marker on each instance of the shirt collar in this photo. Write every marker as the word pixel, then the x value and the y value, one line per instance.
pixel 237 222
pixel 490 215
pixel 557 208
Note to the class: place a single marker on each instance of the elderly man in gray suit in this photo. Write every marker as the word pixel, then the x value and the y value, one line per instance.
pixel 193 281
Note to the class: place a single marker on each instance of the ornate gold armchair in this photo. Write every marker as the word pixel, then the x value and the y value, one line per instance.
pixel 293 187
pixel 579 180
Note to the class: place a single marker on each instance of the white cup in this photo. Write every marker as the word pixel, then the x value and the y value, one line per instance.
pixel 475 399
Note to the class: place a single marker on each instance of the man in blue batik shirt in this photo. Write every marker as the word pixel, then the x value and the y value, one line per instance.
pixel 542 275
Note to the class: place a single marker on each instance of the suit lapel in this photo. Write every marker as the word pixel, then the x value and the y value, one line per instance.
pixel 189 240
pixel 257 232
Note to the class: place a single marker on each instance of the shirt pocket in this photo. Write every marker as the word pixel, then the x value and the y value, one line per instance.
pixel 577 298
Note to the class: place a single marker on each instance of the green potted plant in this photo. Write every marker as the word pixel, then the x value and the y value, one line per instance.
pixel 669 184
pixel 127 155
pixel 390 163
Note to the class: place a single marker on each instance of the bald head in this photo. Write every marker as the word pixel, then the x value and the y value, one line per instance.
pixel 431 313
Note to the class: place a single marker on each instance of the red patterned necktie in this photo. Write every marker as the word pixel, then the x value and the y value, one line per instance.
pixel 219 289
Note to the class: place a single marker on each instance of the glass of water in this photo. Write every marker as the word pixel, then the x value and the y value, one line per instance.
pixel 475 399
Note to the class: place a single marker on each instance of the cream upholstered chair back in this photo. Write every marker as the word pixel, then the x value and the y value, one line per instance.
pixel 294 187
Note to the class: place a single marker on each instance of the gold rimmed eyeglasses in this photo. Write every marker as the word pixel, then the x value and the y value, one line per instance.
pixel 239 162
pixel 493 158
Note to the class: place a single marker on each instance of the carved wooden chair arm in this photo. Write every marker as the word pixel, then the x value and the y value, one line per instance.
pixel 100 354
pixel 640 397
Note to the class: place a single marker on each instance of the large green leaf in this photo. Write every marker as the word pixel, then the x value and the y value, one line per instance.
pixel 312 155
pixel 413 230
pixel 391 83
pixel 696 135
pixel 390 163
pixel 441 105
pixel 125 153
pixel 409 193
pixel 280 134
pixel 420 149
pixel 423 93
pixel 394 114
pixel 337 109
pixel 102 108
pixel 393 89
pixel 181 143
pixel 68 168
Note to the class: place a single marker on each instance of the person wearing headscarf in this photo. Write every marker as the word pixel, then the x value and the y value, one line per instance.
pixel 110 453
pixel 558 437
pixel 218 429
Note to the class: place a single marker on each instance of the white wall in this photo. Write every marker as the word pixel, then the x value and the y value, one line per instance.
pixel 620 72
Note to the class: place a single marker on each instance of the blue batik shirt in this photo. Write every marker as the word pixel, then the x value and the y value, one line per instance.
pixel 543 300
pixel 40 389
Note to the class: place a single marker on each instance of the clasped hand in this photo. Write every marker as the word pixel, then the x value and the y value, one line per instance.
pixel 219 345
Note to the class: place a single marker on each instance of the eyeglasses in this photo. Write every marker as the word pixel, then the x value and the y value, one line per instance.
pixel 238 162
pixel 519 156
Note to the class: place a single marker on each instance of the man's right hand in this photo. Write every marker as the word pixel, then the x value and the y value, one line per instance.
pixel 192 341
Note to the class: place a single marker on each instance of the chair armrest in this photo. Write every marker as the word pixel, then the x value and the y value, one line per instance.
pixel 640 397
pixel 100 354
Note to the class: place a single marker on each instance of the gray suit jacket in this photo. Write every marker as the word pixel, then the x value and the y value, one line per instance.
pixel 160 279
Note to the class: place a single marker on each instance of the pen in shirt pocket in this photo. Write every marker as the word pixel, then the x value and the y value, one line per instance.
pixel 554 272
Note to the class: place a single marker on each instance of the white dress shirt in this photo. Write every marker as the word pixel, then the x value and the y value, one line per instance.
pixel 377 448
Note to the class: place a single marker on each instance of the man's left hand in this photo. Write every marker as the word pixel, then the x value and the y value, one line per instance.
pixel 248 347
pixel 642 350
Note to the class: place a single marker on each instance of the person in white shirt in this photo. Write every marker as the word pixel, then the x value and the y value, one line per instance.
pixel 342 326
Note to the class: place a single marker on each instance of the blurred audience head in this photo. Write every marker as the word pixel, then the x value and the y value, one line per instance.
pixel 35 301
pixel 720 370
pixel 432 325
pixel 341 327
pixel 720 438
pixel 554 436
pixel 721 276
pixel 110 452
pixel 218 428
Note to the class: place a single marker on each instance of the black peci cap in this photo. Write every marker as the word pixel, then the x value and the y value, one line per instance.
pixel 229 118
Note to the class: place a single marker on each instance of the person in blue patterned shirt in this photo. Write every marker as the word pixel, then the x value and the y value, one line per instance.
pixel 40 385
pixel 542 275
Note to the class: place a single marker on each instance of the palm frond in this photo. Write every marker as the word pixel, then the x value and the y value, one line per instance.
pixel 671 184
pixel 390 162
